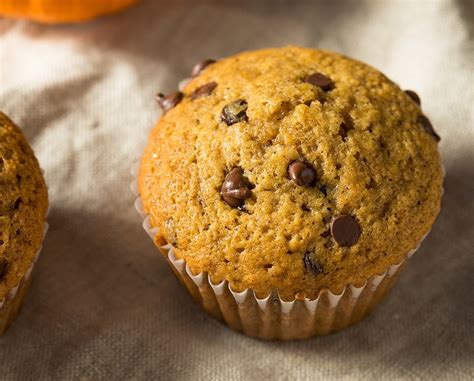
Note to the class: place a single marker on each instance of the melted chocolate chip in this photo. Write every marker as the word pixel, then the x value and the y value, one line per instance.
pixel 345 230
pixel 320 80
pixel 3 268
pixel 428 127
pixel 414 96
pixel 167 102
pixel 236 188
pixel 234 112
pixel 302 173
pixel 311 265
pixel 199 67
pixel 204 90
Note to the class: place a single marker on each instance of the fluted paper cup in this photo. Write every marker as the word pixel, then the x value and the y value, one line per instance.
pixel 271 317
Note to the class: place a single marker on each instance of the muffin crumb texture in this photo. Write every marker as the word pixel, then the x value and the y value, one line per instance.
pixel 291 170
pixel 23 205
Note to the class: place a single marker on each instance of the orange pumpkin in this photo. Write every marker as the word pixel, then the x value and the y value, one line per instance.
pixel 61 11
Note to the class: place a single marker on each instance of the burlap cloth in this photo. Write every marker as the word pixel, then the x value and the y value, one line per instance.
pixel 104 305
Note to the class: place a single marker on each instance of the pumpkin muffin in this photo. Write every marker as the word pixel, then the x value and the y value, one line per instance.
pixel 291 171
pixel 23 206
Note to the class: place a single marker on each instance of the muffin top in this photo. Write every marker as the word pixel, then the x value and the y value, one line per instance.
pixel 23 205
pixel 291 170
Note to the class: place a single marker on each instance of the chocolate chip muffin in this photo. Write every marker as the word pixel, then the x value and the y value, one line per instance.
pixel 23 205
pixel 291 170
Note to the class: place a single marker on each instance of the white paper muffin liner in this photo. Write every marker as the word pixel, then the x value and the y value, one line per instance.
pixel 10 305
pixel 272 318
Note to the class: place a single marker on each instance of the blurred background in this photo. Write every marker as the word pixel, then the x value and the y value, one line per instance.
pixel 103 305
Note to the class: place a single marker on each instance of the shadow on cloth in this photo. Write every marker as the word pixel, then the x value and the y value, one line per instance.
pixel 101 287
pixel 466 13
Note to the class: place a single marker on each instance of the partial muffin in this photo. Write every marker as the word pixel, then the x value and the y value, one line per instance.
pixel 23 206
pixel 291 171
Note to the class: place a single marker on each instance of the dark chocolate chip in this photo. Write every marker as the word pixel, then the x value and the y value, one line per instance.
pixel 204 90
pixel 413 96
pixel 198 68
pixel 302 173
pixel 234 112
pixel 345 230
pixel 3 268
pixel 236 188
pixel 167 102
pixel 428 127
pixel 320 80
pixel 311 265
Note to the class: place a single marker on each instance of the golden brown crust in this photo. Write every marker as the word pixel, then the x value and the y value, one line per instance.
pixel 373 161
pixel 23 205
